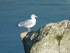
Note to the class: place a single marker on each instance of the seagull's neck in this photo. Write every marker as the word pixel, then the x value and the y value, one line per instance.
pixel 33 18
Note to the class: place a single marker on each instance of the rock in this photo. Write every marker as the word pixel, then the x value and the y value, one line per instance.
pixel 23 35
pixel 51 38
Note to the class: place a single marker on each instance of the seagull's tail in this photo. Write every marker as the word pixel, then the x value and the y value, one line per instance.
pixel 19 25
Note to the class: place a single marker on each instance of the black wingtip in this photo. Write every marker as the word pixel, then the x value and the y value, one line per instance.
pixel 16 25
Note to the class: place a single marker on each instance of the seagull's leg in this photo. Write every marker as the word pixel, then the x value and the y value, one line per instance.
pixel 29 30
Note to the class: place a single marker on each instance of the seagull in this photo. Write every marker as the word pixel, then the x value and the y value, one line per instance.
pixel 28 23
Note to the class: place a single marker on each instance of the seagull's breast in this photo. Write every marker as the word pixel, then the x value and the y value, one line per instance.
pixel 33 22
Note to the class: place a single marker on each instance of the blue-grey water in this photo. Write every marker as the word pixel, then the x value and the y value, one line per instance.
pixel 14 11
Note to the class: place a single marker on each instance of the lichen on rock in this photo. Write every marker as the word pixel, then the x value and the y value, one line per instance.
pixel 51 38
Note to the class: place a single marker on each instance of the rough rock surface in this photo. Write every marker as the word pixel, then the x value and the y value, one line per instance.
pixel 51 38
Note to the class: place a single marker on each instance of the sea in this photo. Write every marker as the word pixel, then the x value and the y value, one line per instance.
pixel 14 11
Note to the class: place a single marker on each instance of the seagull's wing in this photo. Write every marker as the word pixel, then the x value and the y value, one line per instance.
pixel 25 23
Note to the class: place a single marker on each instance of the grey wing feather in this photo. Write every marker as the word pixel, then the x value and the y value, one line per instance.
pixel 25 23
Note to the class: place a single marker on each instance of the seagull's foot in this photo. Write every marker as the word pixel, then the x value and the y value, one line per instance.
pixel 29 30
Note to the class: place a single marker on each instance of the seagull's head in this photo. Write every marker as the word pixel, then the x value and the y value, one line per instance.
pixel 33 16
